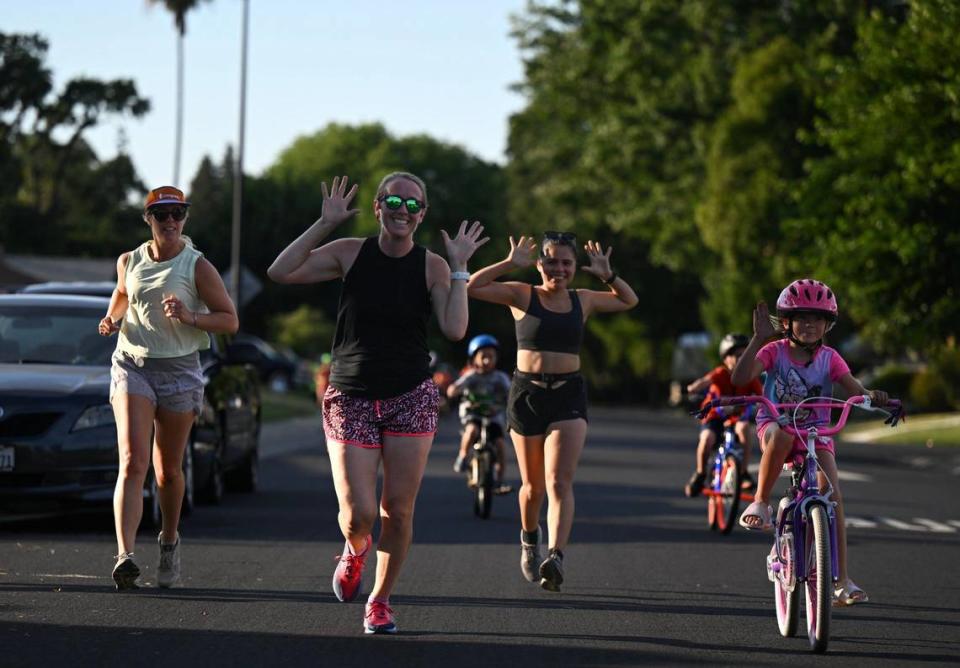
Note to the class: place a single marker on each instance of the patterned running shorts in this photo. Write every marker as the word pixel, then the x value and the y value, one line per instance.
pixel 175 383
pixel 364 422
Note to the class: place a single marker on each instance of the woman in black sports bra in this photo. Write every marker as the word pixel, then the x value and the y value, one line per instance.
pixel 547 408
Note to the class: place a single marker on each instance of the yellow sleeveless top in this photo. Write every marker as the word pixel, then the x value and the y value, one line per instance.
pixel 145 330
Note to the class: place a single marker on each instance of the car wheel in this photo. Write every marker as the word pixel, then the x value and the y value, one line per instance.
pixel 246 477
pixel 213 490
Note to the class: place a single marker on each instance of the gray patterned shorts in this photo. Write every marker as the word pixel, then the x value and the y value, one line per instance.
pixel 173 383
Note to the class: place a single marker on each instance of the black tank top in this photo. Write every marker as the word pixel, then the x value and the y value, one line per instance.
pixel 380 345
pixel 540 329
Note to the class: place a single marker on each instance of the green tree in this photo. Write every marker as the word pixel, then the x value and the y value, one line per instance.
pixel 56 195
pixel 880 204
pixel 179 9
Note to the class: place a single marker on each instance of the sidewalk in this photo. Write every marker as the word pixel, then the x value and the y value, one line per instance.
pixel 911 424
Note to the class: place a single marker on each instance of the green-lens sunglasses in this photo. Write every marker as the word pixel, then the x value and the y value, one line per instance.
pixel 394 202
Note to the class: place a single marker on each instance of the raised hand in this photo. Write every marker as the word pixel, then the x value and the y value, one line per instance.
pixel 523 253
pixel 337 200
pixel 599 261
pixel 463 246
pixel 762 325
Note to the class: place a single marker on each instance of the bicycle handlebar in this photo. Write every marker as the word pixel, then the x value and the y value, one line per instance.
pixel 895 414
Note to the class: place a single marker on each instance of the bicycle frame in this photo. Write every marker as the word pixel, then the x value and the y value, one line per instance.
pixel 793 516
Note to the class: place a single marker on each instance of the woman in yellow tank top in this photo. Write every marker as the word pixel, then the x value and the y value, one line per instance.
pixel 168 296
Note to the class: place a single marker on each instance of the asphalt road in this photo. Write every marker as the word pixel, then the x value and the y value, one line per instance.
pixel 646 582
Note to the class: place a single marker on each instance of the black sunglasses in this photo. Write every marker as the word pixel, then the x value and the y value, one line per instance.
pixel 394 202
pixel 568 238
pixel 161 215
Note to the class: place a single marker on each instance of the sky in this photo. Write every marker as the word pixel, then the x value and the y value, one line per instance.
pixel 440 67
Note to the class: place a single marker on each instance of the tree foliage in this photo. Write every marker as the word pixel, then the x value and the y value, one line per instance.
pixel 56 195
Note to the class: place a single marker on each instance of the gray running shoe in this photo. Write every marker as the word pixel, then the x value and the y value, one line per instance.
pixel 551 571
pixel 530 558
pixel 126 572
pixel 168 571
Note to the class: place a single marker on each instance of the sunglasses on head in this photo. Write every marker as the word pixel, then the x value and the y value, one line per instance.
pixel 568 238
pixel 394 202
pixel 161 215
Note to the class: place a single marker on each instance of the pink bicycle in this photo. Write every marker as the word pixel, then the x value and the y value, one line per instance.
pixel 804 552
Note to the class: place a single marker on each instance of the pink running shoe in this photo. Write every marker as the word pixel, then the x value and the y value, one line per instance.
pixel 348 575
pixel 378 618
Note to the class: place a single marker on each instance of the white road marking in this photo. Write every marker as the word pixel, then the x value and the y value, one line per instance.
pixel 860 523
pixel 853 476
pixel 935 527
pixel 900 524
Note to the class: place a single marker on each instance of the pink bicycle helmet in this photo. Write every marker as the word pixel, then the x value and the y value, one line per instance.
pixel 807 295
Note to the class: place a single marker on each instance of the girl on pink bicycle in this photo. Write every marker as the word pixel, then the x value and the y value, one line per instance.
pixel 799 366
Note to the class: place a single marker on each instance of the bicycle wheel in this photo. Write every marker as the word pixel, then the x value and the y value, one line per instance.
pixel 785 593
pixel 728 501
pixel 819 585
pixel 483 492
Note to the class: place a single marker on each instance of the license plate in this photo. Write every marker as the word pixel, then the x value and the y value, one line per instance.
pixel 6 458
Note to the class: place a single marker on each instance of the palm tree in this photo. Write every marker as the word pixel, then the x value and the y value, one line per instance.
pixel 179 9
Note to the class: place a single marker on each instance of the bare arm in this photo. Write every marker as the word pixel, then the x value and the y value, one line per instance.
pixel 119 302
pixel 852 387
pixel 484 286
pixel 699 384
pixel 302 261
pixel 748 366
pixel 222 317
pixel 449 297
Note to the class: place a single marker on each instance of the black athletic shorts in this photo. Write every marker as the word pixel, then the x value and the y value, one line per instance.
pixel 531 408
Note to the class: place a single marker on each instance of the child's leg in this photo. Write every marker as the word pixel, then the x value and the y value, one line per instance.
pixel 470 434
pixel 747 433
pixel 707 440
pixel 776 447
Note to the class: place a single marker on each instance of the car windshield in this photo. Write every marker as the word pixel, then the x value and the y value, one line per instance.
pixel 53 335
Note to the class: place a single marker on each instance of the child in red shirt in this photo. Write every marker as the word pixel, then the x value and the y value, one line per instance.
pixel 711 431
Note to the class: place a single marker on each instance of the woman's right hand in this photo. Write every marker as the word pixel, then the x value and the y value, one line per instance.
pixel 337 200
pixel 762 327
pixel 108 326
pixel 523 253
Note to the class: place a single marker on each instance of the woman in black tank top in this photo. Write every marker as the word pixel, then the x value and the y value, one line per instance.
pixel 381 405
pixel 547 408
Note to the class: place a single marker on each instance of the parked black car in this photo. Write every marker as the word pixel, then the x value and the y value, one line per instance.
pixel 58 438
pixel 277 371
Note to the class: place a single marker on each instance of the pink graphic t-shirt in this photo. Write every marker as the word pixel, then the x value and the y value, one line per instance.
pixel 791 382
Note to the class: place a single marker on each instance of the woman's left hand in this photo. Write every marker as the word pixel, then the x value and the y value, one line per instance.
pixel 174 309
pixel 463 246
pixel 599 261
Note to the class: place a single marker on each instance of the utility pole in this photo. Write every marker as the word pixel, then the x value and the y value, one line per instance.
pixel 235 277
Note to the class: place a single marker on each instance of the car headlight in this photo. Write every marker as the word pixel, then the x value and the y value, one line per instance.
pixel 94 416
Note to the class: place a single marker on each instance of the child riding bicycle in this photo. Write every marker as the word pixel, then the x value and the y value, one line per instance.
pixel 483 392
pixel 799 366
pixel 713 424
